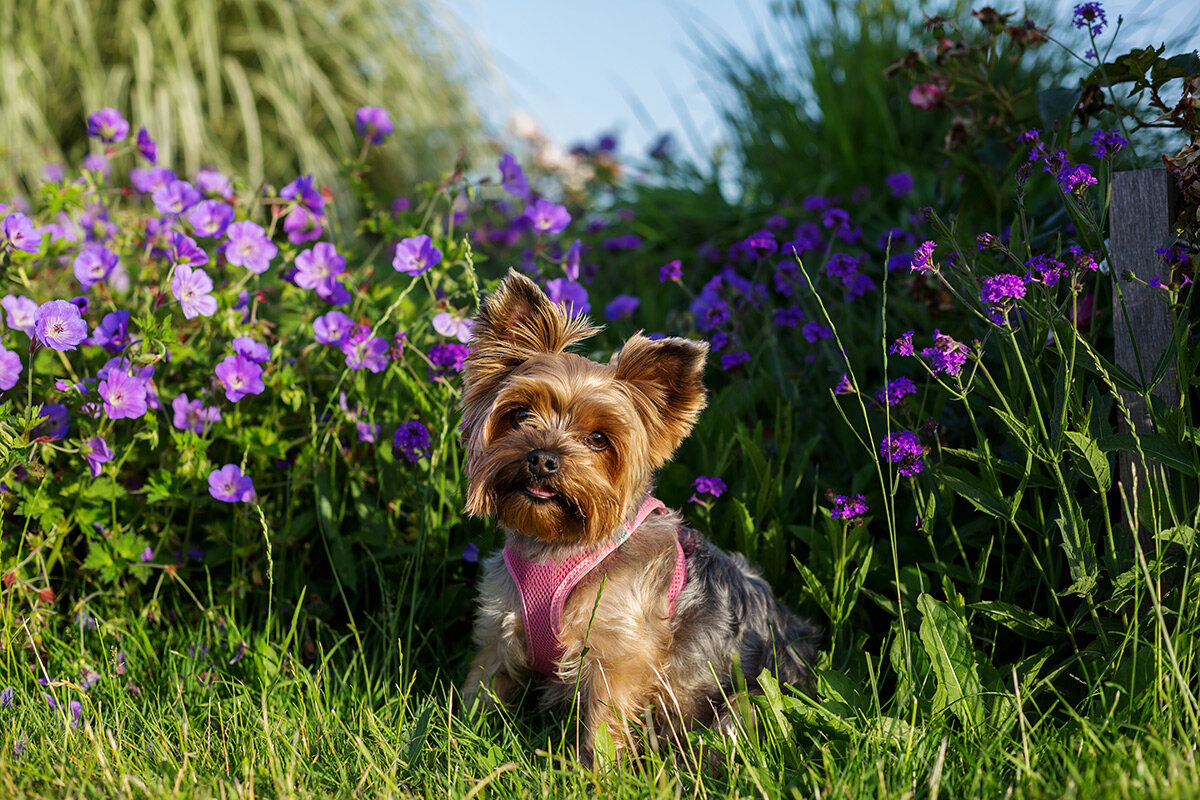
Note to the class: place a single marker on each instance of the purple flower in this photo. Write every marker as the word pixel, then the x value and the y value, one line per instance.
pixel 147 555
pixel 921 259
pixel 762 243
pixel 184 250
pixel 113 332
pixel 374 124
pixel 568 294
pixel 903 346
pixel 240 376
pixel 512 177
pixel 734 359
pixel 903 448
pixel 246 245
pixel 193 415
pixel 146 146
pixel 317 265
pixel 570 262
pixel 10 369
pixel 57 423
pixel 844 385
pixel 714 487
pixel 304 193
pixel 626 241
pixel 999 288
pixel 212 182
pixel 621 307
pixel 363 351
pixel 22 313
pixel 191 288
pixel 124 395
pixel 948 355
pixel 788 317
pixel 108 125
pixel 59 325
pixel 1046 269
pixel 450 324
pixel 1108 143
pixel 815 331
pixel 1076 178
pixel 547 217
pixel 412 440
pixel 1090 16
pixel 20 234
pixel 303 225
pixel 229 485
pixel 148 181
pixel 97 453
pixel 332 328
pixel 1083 259
pixel 851 508
pixel 895 391
pixel 367 432
pixel 210 218
pixel 332 291
pixel 415 255
pixel 836 219
pixel 673 271
pixel 446 359
pixel 899 183
pixel 6 697
pixel 94 265
pixel 248 348
pixel 470 554
pixel 175 198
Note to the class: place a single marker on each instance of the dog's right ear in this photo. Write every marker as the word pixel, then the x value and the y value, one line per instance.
pixel 515 323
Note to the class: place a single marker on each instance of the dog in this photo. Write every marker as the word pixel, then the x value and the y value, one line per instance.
pixel 600 593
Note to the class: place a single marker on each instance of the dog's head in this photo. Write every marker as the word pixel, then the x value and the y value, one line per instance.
pixel 559 447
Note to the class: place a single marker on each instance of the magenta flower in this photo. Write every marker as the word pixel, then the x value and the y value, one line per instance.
pixel 184 250
pixel 903 346
pixel 318 265
pixel 451 324
pixel 512 177
pixel 10 369
pixel 124 395
pixel 374 124
pixel 547 217
pixel 921 260
pixel 246 245
pixel 903 448
pixel 193 415
pixel 248 348
pixel 229 485
pixel 303 225
pixel 1108 143
pixel 210 218
pixel 146 146
pixel 22 312
pixel 240 376
pixel 703 485
pixel 191 288
pixel 362 351
pixel 19 233
pixel 332 328
pixel 671 272
pixel 1001 288
pixel 175 198
pixel 947 355
pixel 97 453
pixel 851 508
pixel 59 325
pixel 93 265
pixel 108 125
pixel 415 255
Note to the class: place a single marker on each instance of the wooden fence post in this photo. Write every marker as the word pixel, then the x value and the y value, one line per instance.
pixel 1142 211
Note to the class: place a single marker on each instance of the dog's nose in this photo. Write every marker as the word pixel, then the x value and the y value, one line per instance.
pixel 541 463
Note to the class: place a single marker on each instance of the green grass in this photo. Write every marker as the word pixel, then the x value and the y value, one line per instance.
pixel 291 720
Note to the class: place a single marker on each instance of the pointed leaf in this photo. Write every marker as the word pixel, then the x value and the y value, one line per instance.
pixel 946 640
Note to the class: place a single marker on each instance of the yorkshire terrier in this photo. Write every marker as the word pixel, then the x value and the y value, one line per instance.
pixel 599 589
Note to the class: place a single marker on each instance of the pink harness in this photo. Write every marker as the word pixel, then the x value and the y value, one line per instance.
pixel 545 586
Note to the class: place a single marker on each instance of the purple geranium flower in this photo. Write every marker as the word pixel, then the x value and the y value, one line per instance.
pixel 193 415
pixel 229 485
pixel 210 218
pixel 10 369
pixel 317 265
pixel 212 182
pixel 547 217
pixel 124 395
pixel 175 198
pixel 374 124
pixel 451 324
pixel 58 421
pixel 184 250
pixel 20 234
pixel 240 376
pixel 113 332
pixel 621 307
pixel 903 448
pixel 415 255
pixel 412 440
pixel 303 225
pixel 248 348
pixel 570 262
pixel 568 294
pixel 22 312
pixel 332 328
pixel 363 351
pixel 59 325
pixel 246 245
pixel 146 146
pixel 148 181
pixel 97 452
pixel 513 177
pixel 108 125
pixel 191 288
pixel 93 265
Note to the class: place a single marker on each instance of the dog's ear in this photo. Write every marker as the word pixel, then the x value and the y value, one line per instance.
pixel 515 323
pixel 666 374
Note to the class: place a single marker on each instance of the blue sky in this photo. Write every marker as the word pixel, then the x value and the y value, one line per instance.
pixel 631 67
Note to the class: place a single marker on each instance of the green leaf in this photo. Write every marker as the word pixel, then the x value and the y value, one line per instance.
pixel 1182 535
pixel 1092 464
pixel 947 642
pixel 1055 103
pixel 1157 448
pixel 1022 430
pixel 968 487
pixel 1020 621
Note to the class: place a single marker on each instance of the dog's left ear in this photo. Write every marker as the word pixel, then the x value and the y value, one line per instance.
pixel 667 374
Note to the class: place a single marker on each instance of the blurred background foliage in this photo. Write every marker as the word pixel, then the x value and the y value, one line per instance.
pixel 264 90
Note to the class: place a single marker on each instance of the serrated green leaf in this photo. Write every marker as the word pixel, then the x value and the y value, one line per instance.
pixel 1157 448
pixel 947 642
pixel 1092 463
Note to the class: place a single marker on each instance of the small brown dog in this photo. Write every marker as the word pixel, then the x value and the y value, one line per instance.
pixel 600 588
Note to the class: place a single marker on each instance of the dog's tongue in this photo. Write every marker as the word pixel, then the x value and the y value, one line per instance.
pixel 543 494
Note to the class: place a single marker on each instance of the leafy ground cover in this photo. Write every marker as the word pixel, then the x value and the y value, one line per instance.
pixel 233 558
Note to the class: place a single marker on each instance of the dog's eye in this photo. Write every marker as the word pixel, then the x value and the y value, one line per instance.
pixel 597 440
pixel 520 416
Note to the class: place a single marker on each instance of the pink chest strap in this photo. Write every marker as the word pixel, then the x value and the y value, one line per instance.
pixel 546 585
